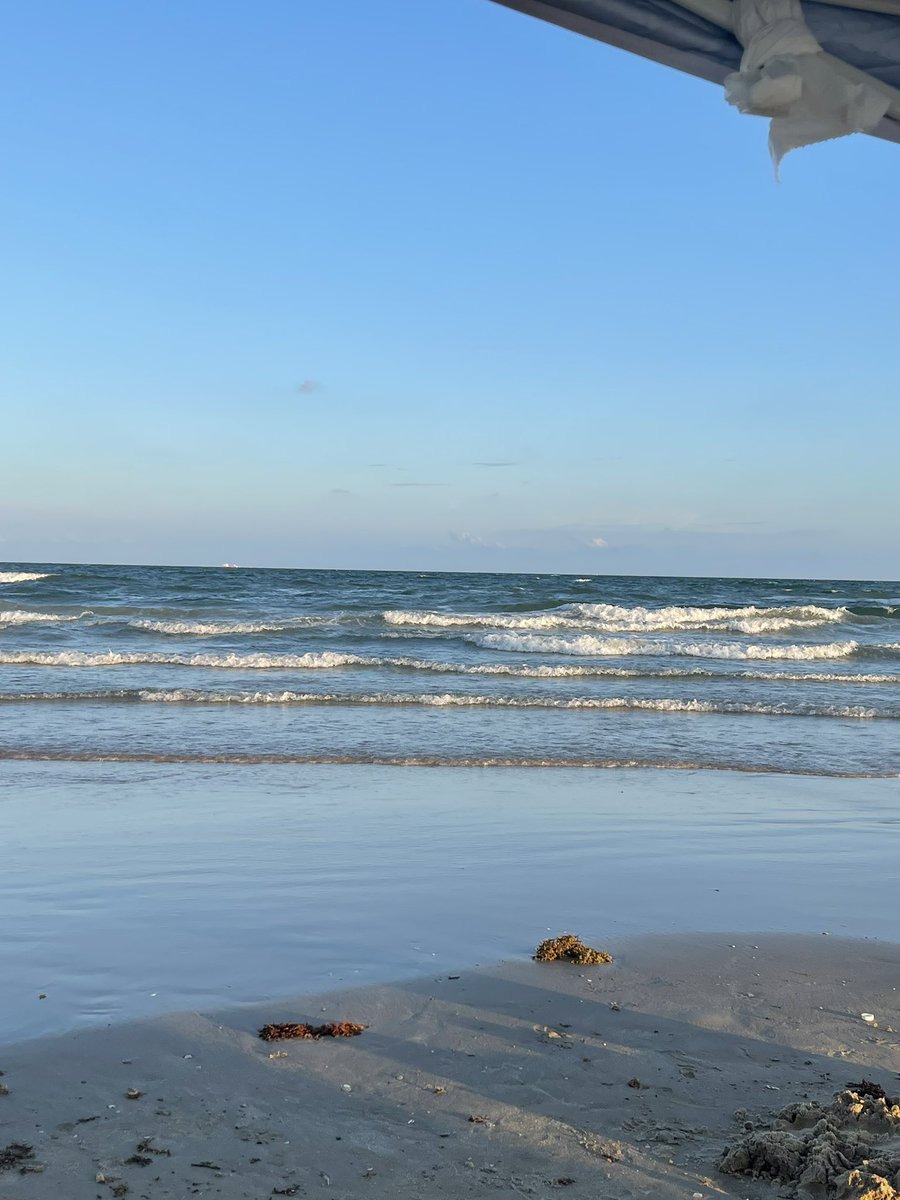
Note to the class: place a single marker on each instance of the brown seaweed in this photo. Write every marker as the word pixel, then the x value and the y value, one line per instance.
pixel 289 1029
pixel 569 948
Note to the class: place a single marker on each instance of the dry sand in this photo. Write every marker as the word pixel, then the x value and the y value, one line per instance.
pixel 545 1057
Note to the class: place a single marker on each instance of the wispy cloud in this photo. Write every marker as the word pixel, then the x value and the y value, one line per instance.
pixel 341 492
pixel 598 543
pixel 473 539
pixel 415 483
pixel 495 464
pixel 307 386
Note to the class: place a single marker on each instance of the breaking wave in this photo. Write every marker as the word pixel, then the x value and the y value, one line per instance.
pixel 591 645
pixel 313 660
pixel 327 660
pixel 451 700
pixel 23 576
pixel 219 628
pixel 613 618
pixel 23 617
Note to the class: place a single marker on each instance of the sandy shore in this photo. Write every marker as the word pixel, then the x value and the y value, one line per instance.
pixel 544 1057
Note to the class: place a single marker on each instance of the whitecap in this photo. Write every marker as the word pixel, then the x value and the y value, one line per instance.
pixel 613 618
pixel 591 645
pixel 23 617
pixel 453 700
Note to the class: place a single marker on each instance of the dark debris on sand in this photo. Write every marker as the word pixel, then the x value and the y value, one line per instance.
pixel 15 1156
pixel 289 1029
pixel 569 948
pixel 866 1087
pixel 145 1146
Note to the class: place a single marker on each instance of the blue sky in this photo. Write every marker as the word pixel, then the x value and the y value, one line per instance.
pixel 428 285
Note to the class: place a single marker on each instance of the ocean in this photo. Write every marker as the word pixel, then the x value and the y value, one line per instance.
pixel 242 665
pixel 208 789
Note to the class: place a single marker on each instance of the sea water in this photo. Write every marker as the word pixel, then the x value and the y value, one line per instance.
pixel 243 665
pixel 227 784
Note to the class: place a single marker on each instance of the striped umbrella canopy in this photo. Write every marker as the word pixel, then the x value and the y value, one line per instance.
pixel 817 70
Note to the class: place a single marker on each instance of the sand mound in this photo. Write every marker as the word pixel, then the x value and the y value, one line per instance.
pixel 844 1150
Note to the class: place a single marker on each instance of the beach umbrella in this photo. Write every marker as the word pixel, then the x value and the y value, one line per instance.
pixel 817 70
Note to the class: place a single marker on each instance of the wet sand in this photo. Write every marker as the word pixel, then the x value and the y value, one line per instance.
pixel 545 1057
pixel 134 891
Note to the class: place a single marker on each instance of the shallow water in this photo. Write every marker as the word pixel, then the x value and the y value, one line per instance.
pixel 132 889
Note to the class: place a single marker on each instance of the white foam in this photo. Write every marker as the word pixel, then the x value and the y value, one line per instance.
pixel 23 576
pixel 329 660
pixel 455 700
pixel 225 628
pixel 440 620
pixel 749 619
pixel 313 660
pixel 612 618
pixel 593 646
pixel 793 653
pixel 23 617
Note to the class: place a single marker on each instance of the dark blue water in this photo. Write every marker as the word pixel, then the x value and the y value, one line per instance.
pixel 197 664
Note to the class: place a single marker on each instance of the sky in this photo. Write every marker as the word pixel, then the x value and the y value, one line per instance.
pixel 428 284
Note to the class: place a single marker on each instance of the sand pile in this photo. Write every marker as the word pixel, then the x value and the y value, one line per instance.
pixel 847 1150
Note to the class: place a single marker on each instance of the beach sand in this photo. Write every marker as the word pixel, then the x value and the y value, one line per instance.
pixel 544 1057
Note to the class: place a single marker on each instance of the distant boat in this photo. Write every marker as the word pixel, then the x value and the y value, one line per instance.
pixel 229 564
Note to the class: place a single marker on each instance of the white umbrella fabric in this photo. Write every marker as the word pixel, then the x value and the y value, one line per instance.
pixel 817 70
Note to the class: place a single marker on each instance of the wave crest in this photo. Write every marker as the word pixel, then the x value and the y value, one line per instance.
pixel 613 618
pixel 225 628
pixel 593 646
pixel 23 617
pixel 23 576
pixel 330 660
pixel 454 700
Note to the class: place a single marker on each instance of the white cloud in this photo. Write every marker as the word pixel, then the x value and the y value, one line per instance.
pixel 472 539
pixel 598 543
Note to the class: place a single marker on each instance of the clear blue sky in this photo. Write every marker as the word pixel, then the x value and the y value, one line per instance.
pixel 428 284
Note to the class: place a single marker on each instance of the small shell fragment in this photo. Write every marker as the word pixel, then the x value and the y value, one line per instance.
pixel 869 1018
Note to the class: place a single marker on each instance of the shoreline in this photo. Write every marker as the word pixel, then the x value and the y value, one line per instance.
pixel 430 762
pixel 544 1055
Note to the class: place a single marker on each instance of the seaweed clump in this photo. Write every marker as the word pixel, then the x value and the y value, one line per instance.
pixel 290 1029
pixel 569 948
pixel 842 1151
